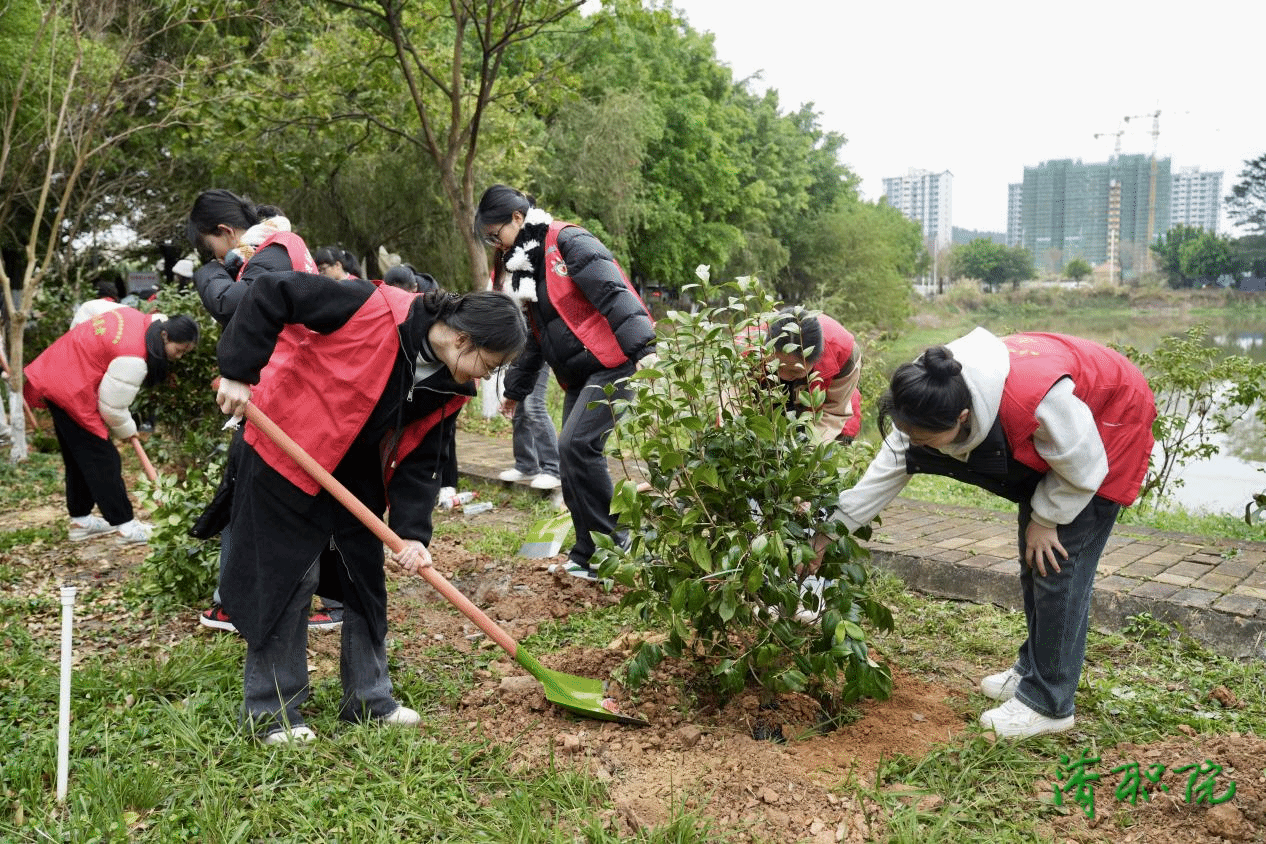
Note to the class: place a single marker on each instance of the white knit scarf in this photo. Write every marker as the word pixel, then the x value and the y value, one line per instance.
pixel 526 255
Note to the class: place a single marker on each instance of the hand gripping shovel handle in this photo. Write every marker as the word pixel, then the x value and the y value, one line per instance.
pixel 357 508
pixel 145 464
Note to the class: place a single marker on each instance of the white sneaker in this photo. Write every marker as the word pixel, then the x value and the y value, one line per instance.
pixel 1000 686
pixel 513 475
pixel 133 532
pixel 86 527
pixel 815 585
pixel 402 716
pixel 544 481
pixel 292 735
pixel 1015 720
pixel 574 569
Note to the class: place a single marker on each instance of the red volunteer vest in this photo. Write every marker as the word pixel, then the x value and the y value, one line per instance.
pixel 837 348
pixel 300 260
pixel 581 317
pixel 68 373
pixel 1111 386
pixel 324 392
pixel 296 249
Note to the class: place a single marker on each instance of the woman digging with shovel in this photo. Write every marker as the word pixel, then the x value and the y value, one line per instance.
pixel 367 396
pixel 88 378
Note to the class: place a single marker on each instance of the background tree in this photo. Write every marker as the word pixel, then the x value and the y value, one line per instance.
pixel 992 263
pixel 1077 269
pixel 451 56
pixel 84 88
pixel 1207 258
pixel 1250 253
pixel 861 258
pixel 1188 254
pixel 1246 204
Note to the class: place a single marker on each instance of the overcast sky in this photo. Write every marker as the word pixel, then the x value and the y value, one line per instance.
pixel 983 88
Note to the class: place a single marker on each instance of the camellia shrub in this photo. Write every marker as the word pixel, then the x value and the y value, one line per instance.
pixel 722 555
pixel 1201 393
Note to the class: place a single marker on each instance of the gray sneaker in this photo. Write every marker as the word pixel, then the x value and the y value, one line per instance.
pixel 88 527
pixel 133 533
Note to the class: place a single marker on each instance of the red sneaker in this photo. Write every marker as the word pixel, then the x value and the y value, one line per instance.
pixel 323 618
pixel 217 619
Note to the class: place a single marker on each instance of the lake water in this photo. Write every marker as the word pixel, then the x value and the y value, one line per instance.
pixel 1226 482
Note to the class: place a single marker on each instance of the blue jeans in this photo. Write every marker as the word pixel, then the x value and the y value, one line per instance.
pixel 1057 609
pixel 275 679
pixel 535 440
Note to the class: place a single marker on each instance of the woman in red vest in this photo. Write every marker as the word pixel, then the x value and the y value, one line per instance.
pixel 337 263
pixel 88 378
pixel 1063 427
pixel 816 353
pixel 369 395
pixel 588 325
pixel 241 241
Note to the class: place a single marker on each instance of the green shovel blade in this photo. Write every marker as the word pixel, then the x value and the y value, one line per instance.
pixel 546 537
pixel 581 695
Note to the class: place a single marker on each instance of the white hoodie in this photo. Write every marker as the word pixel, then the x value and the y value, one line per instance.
pixel 1066 438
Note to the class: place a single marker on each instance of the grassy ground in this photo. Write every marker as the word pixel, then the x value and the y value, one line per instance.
pixel 156 756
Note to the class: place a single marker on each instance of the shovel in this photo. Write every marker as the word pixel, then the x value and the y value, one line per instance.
pixel 577 694
pixel 140 455
pixel 546 537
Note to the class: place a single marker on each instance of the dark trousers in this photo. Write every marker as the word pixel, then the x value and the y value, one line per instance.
pixel 275 676
pixel 94 472
pixel 1057 609
pixel 582 460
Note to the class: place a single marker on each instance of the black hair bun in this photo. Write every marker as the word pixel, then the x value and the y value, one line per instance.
pixel 940 363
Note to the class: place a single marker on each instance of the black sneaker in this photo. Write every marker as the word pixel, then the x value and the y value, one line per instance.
pixel 574 569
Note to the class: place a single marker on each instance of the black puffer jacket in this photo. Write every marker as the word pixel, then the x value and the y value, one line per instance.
pixel 221 290
pixel 591 266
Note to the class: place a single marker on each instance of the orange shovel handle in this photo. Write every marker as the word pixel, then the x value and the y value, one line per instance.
pixel 145 464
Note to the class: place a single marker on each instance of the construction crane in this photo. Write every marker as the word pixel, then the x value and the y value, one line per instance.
pixel 1117 134
pixel 1151 190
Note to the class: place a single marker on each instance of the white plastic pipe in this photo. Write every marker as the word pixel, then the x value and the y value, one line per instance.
pixel 63 720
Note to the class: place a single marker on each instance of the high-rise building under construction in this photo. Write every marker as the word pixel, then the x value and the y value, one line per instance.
pixel 1098 212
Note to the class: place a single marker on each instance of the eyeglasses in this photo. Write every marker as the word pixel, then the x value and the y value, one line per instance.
pixel 494 239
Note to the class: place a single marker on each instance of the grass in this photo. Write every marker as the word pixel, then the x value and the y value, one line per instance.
pixel 157 755
pixel 34 479
pixel 1139 685
pixel 157 758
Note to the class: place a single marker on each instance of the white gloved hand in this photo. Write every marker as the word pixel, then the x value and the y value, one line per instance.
pixel 413 557
pixel 233 396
